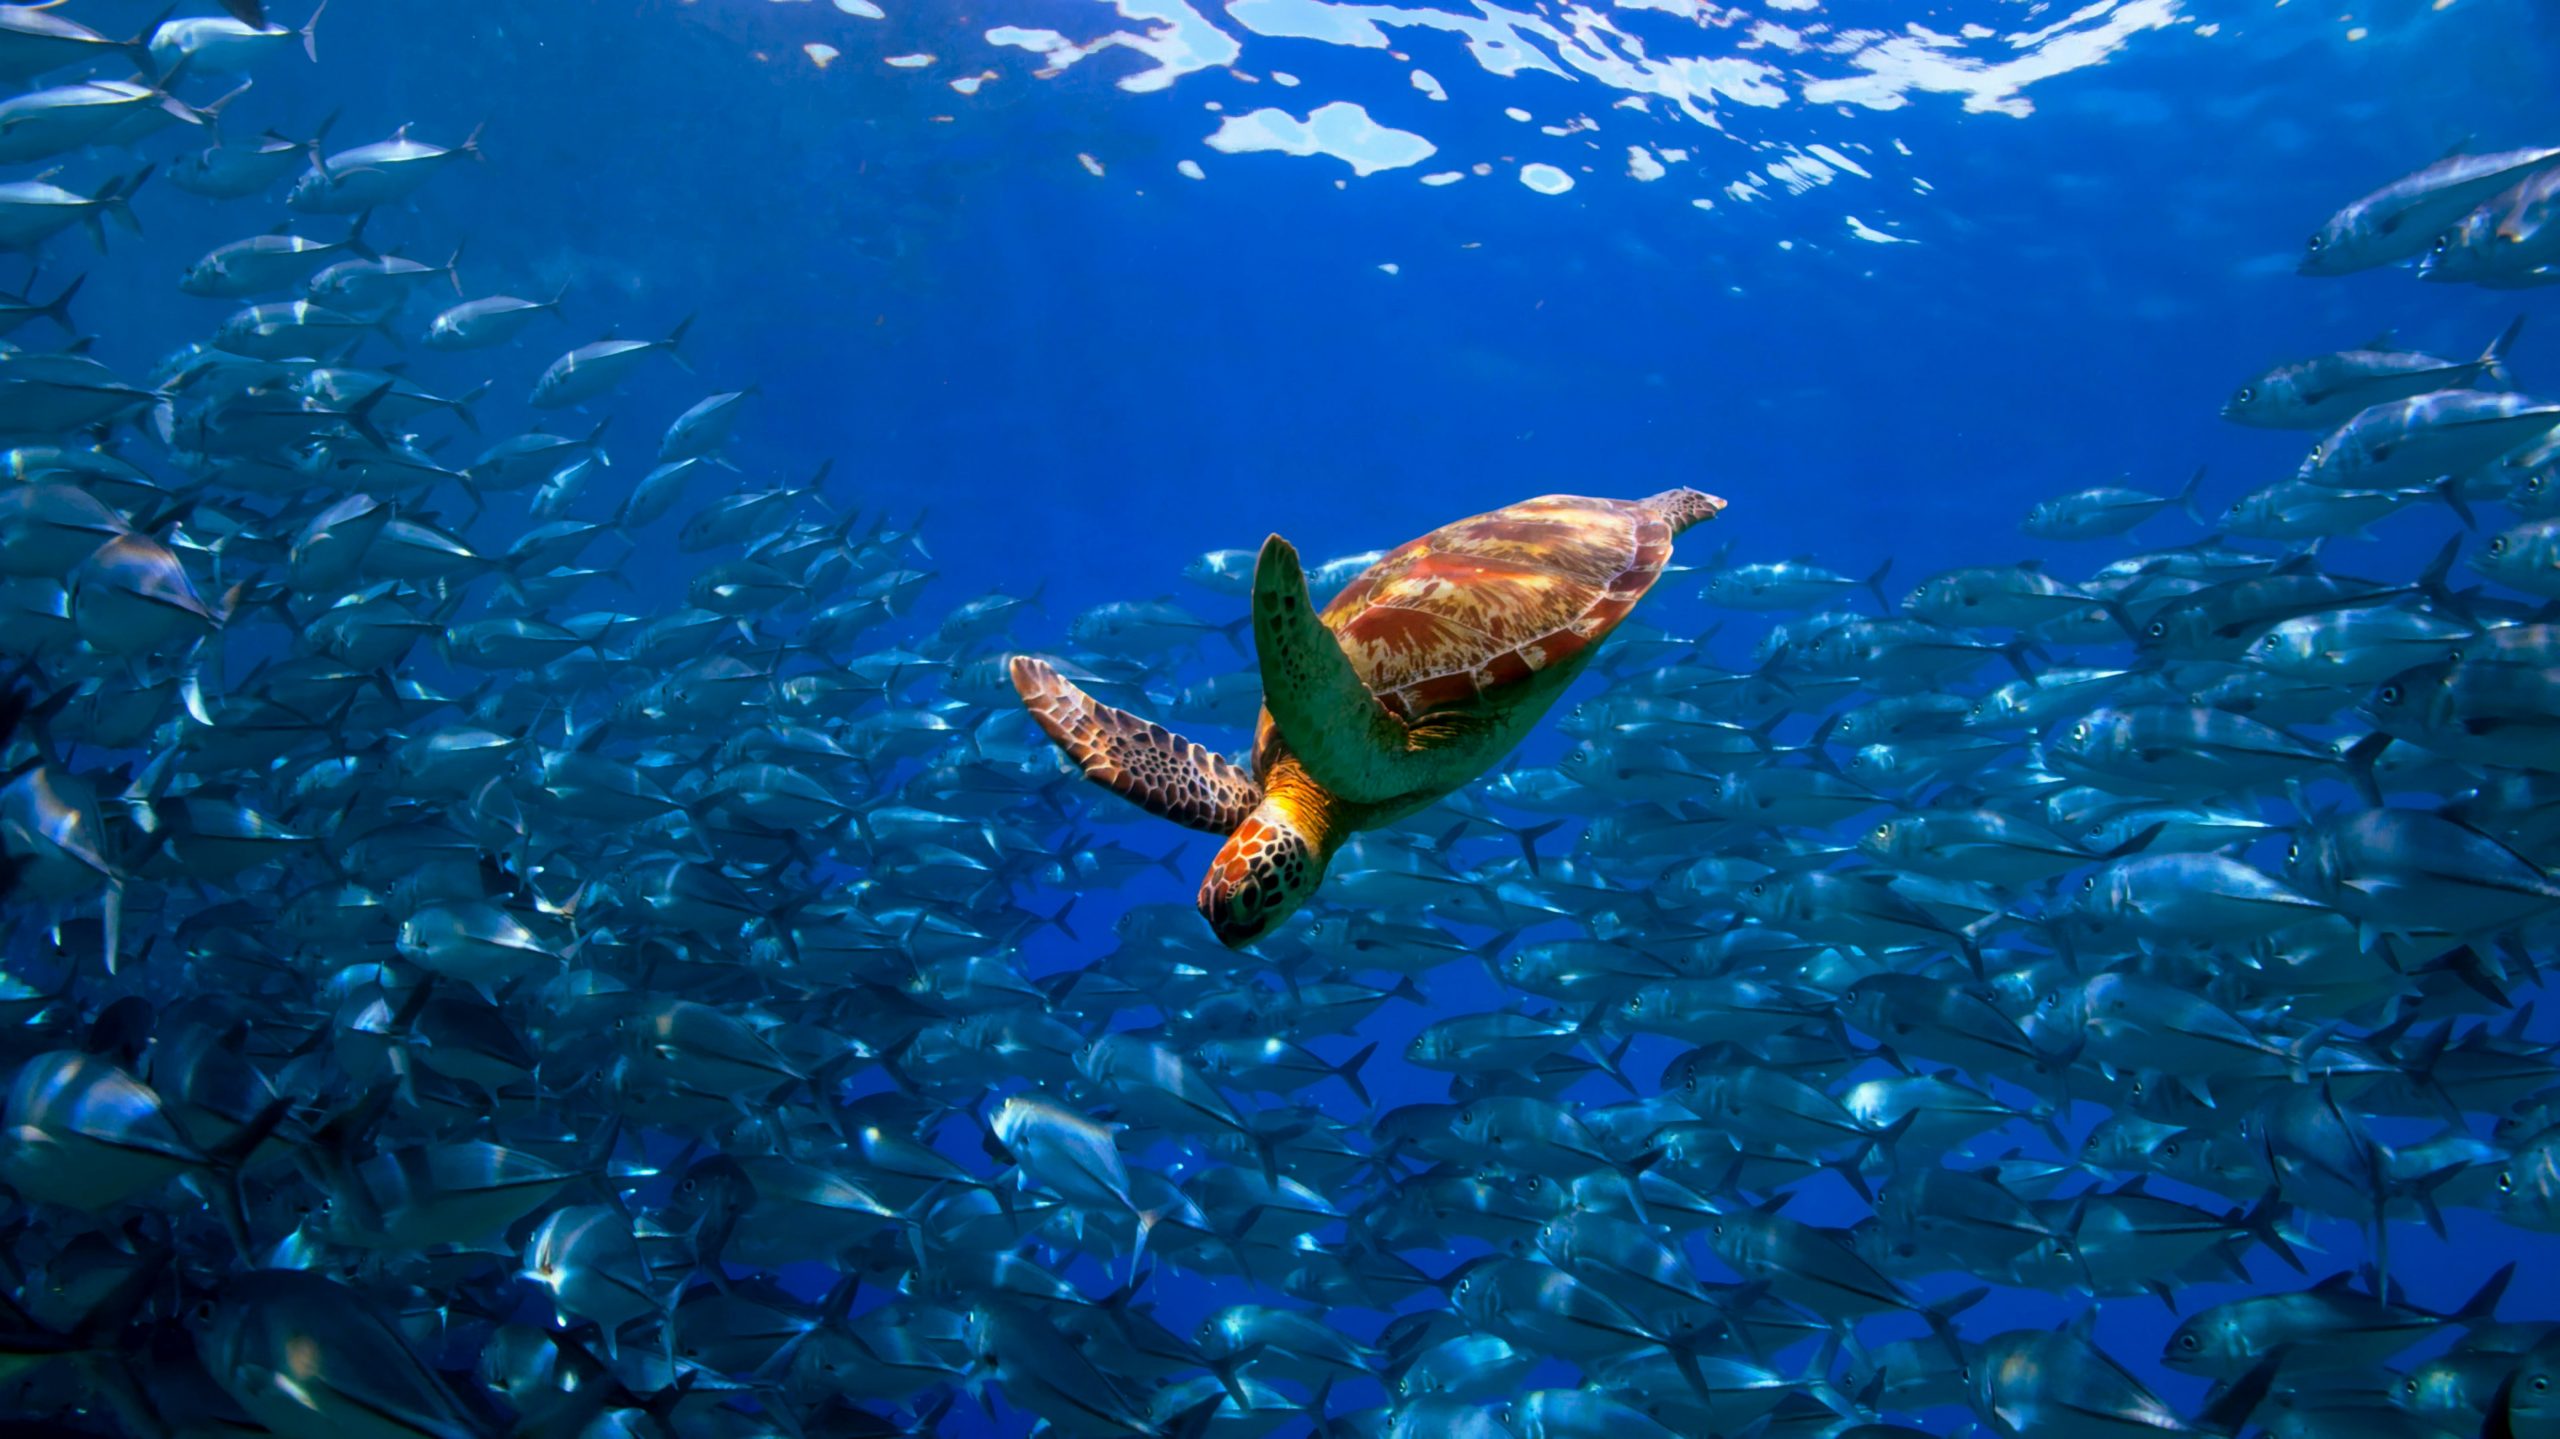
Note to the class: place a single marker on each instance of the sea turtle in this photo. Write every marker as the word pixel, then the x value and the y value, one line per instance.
pixel 1429 667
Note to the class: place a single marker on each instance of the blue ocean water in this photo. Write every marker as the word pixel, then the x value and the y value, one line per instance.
pixel 1042 278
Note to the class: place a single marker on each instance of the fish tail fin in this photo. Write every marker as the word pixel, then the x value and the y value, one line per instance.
pixel 1941 1318
pixel 117 199
pixel 2261 1221
pixel 453 268
pixel 227 1160
pixel 1059 920
pixel 140 44
pixel 2186 497
pixel 359 416
pixel 2229 1410
pixel 2482 1306
pixel 1875 585
pixel 2298 1055
pixel 2493 360
pixel 2448 488
pixel 1529 838
pixel 675 344
pixel 310 43
pixel 2433 581
pixel 1194 1422
pixel 1348 1071
pixel 58 309
pixel 1148 1219
pixel 355 237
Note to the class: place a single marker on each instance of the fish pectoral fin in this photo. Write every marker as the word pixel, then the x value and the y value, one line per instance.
pixel 1140 761
pixel 1323 709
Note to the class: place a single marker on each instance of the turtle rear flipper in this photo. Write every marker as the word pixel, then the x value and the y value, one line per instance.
pixel 1140 761
pixel 1347 740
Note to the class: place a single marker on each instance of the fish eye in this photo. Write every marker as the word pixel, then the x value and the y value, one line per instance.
pixel 2317 452
pixel 2506 1181
pixel 2390 694
pixel 2190 1343
pixel 2541 1382
pixel 2169 1150
pixel 1636 1005
pixel 2247 394
pixel 2080 731
pixel 2498 546
pixel 2316 243
pixel 2089 885
pixel 2293 852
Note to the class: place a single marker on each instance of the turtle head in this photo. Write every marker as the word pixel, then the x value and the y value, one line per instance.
pixel 1268 867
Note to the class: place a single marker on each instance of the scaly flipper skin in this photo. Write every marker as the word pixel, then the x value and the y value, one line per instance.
pixel 1140 761
pixel 1322 708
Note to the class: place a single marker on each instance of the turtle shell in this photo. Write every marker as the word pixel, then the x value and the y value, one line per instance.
pixel 1477 607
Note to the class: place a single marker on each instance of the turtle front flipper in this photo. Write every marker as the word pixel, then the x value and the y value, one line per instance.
pixel 1140 761
pixel 1323 709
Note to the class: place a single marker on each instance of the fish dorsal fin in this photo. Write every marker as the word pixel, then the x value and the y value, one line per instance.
pixel 2387 339
pixel 2458 147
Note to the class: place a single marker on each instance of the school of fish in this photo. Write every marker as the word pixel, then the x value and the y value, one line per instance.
pixel 438 1006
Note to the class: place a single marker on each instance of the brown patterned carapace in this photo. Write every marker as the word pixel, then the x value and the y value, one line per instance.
pixel 1489 600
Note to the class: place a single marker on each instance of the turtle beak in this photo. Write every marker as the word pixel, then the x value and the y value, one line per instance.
pixel 1266 869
